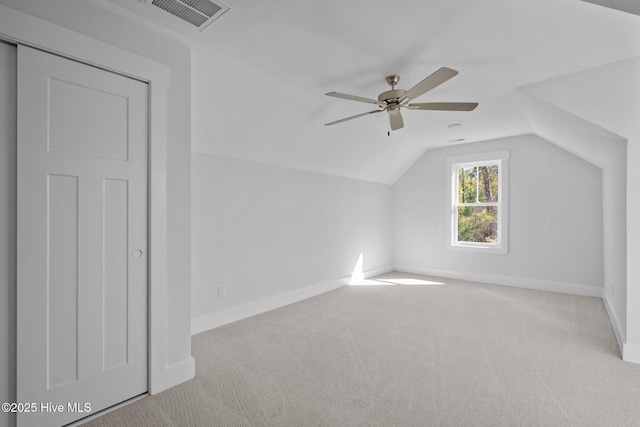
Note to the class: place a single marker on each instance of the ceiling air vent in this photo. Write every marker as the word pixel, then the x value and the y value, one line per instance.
pixel 198 13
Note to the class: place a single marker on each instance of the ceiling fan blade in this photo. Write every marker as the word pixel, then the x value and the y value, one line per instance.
pixel 395 119
pixel 434 80
pixel 352 97
pixel 353 117
pixel 444 106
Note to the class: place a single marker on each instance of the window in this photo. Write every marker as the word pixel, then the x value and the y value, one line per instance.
pixel 478 214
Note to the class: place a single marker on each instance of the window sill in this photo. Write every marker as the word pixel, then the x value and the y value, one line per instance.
pixel 498 250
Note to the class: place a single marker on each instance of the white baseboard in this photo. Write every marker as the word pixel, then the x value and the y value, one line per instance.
pixel 631 353
pixel 615 323
pixel 378 271
pixel 234 314
pixel 180 372
pixel 539 285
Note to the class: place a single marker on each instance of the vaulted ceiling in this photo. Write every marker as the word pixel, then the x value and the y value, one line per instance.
pixel 261 70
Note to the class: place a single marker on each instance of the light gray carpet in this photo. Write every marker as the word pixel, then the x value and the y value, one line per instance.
pixel 458 354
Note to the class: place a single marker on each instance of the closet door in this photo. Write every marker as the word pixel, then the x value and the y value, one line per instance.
pixel 7 227
pixel 82 238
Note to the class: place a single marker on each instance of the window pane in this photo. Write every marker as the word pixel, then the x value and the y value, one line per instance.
pixel 467 185
pixel 488 176
pixel 478 224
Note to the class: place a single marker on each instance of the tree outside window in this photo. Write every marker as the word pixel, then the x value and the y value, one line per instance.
pixel 477 203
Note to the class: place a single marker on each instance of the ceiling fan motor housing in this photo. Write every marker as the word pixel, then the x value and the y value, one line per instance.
pixel 391 96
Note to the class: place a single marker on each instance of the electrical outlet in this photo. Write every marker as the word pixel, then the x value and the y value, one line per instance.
pixel 221 291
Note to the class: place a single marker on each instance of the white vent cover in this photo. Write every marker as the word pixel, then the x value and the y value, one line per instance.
pixel 198 13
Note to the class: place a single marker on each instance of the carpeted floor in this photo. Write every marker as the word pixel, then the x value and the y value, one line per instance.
pixel 410 354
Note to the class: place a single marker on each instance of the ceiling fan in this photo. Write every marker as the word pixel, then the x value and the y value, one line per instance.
pixel 395 99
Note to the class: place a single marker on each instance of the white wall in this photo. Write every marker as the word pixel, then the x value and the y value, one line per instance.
pixel 7 228
pixel 608 151
pixel 263 231
pixel 631 347
pixel 609 97
pixel 555 222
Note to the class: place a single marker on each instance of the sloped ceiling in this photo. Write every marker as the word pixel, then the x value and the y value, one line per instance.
pixel 260 73
pixel 630 6
pixel 607 96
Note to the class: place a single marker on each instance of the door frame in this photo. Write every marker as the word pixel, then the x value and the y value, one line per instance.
pixel 19 28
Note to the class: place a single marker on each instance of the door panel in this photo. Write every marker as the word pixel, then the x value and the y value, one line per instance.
pixel 82 237
pixel 62 286
pixel 116 195
pixel 104 127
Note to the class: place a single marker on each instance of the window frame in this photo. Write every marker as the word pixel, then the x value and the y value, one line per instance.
pixel 500 158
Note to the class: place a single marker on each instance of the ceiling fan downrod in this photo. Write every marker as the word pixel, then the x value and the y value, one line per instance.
pixel 392 80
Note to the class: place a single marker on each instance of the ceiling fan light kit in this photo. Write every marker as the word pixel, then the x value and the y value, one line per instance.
pixel 392 101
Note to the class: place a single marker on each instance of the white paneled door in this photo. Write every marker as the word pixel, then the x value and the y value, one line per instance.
pixel 82 238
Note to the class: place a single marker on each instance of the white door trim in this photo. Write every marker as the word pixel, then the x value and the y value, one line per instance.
pixel 20 28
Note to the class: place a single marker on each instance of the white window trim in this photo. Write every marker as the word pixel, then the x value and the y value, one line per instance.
pixel 502 246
